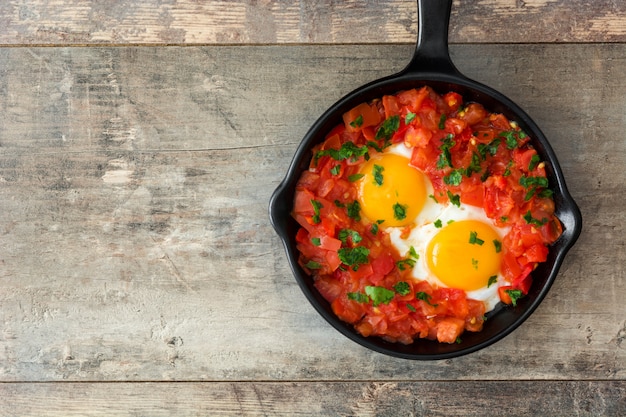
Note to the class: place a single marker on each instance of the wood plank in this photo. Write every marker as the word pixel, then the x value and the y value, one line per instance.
pixel 134 237
pixel 382 398
pixel 84 22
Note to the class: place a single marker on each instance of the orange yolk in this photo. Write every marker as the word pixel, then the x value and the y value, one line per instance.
pixel 463 255
pixel 391 190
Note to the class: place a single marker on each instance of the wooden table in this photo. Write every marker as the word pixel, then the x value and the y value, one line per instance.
pixel 140 142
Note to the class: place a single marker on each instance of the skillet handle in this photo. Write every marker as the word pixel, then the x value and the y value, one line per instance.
pixel 431 53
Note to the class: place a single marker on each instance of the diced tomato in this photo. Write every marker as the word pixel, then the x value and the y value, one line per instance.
pixel 504 295
pixel 453 100
pixel 476 316
pixel 413 98
pixel 417 136
pixel 329 288
pixel 474 113
pixel 363 115
pixel 391 106
pixel 499 121
pixel 449 329
pixel 424 158
pixel 347 310
pixel 455 125
pixel 383 264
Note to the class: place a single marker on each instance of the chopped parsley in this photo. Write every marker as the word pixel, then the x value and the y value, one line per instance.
pixel 409 117
pixel 413 253
pixel 475 263
pixel 475 240
pixel 438 224
pixel 442 121
pixel 492 280
pixel 313 265
pixel 402 288
pixel 379 295
pixel 498 245
pixel 491 148
pixel 347 150
pixel 354 236
pixel 354 257
pixel 515 295
pixel 454 199
pixel 410 307
pixel 374 228
pixel 399 211
pixel 316 241
pixel 358 122
pixel 474 165
pixel 545 193
pixel 388 128
pixel 359 297
pixel 355 177
pixel 533 184
pixel 445 158
pixel 421 295
pixel 336 169
pixel 509 139
pixel 405 264
pixel 527 182
pixel 534 161
pixel 531 220
pixel 378 174
pixel 317 206
pixel 354 210
pixel 454 178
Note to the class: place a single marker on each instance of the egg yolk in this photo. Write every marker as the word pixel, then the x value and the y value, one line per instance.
pixel 464 254
pixel 391 191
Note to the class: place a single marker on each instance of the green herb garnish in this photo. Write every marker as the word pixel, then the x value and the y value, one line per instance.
pixel 515 295
pixel 358 122
pixel 354 210
pixel 405 264
pixel 454 199
pixel 388 128
pixel 399 211
pixel 531 220
pixel 379 295
pixel 317 206
pixel 313 265
pixel 378 174
pixel 359 297
pixel 354 257
pixel 425 297
pixel 344 234
pixel 475 240
pixel 402 288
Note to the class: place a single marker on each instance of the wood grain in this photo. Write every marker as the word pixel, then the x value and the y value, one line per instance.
pixel 382 398
pixel 158 22
pixel 134 237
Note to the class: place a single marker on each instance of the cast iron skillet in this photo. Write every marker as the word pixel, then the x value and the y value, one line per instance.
pixel 431 65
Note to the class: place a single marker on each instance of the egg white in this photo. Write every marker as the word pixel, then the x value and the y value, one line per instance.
pixel 425 229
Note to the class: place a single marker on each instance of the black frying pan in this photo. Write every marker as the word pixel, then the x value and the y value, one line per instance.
pixel 431 65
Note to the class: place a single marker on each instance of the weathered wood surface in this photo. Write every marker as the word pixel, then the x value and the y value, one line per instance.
pixel 449 398
pixel 87 22
pixel 135 243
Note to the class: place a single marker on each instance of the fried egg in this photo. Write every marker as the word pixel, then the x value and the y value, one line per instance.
pixel 456 246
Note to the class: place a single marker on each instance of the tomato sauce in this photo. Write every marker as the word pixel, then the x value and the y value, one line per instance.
pixel 352 261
